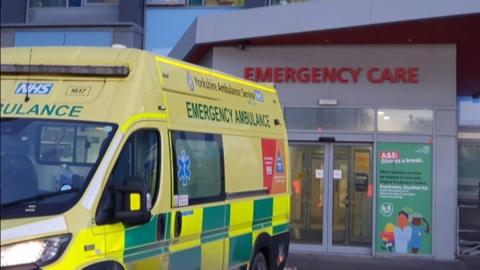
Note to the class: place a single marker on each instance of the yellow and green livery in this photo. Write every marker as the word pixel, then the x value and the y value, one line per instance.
pixel 121 159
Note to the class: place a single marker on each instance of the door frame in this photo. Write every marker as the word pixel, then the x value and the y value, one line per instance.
pixel 310 247
pixel 327 245
pixel 340 248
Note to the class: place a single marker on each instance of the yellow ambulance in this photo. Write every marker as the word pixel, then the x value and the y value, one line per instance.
pixel 115 158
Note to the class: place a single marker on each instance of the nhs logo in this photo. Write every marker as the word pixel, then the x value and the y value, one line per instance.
pixel 259 96
pixel 34 88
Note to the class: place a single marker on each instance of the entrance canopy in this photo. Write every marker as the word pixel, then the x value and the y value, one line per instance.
pixel 346 22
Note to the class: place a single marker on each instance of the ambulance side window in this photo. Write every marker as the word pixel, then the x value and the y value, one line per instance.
pixel 198 168
pixel 140 158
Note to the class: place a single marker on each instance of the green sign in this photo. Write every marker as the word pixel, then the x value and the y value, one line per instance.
pixel 404 198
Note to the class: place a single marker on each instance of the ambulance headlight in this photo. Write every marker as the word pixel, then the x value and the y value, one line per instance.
pixel 38 252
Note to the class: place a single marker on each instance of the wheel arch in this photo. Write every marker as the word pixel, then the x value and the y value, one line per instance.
pixel 263 243
pixel 105 265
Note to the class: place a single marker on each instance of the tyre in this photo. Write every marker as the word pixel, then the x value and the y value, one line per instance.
pixel 259 262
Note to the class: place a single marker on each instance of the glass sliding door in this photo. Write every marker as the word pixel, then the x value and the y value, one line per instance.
pixel 352 195
pixel 307 215
pixel 332 191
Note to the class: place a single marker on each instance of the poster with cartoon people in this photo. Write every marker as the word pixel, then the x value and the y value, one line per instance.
pixel 404 198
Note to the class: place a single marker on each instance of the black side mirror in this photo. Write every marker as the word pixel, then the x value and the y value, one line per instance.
pixel 133 209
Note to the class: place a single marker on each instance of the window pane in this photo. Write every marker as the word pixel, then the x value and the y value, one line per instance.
pixel 195 2
pixel 469 112
pixel 198 165
pixel 330 119
pixel 74 3
pixel 285 2
pixel 48 3
pixel 105 2
pixel 469 161
pixel 405 120
pixel 139 158
pixel 224 2
pixel 146 157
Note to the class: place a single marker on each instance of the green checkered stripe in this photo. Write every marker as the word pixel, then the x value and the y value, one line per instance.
pixel 141 241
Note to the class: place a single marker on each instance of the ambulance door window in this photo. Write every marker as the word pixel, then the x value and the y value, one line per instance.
pixel 199 168
pixel 139 158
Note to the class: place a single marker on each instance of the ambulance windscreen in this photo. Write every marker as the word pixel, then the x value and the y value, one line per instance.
pixel 46 162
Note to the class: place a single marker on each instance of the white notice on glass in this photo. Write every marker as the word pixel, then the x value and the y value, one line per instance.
pixel 337 174
pixel 183 200
pixel 319 173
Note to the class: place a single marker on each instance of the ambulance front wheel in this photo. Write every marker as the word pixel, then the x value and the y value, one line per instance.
pixel 259 262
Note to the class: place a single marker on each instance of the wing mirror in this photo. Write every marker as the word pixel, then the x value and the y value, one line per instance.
pixel 134 208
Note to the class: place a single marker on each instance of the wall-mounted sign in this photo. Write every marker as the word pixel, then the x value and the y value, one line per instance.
pixel 332 74
pixel 364 74
pixel 328 101
pixel 404 198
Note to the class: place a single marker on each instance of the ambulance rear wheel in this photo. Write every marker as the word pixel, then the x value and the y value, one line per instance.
pixel 259 262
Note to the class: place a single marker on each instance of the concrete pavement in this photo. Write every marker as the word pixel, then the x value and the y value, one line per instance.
pixel 303 261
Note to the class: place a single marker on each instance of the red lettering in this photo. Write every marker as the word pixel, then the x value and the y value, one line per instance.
pixel 329 75
pixel 340 73
pixel 387 75
pixel 303 75
pixel 248 73
pixel 316 75
pixel 261 76
pixel 413 75
pixel 371 75
pixel 355 74
pixel 400 75
pixel 290 75
pixel 278 74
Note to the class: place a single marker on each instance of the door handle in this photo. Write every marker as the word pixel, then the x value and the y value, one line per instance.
pixel 161 223
pixel 346 201
pixel 178 224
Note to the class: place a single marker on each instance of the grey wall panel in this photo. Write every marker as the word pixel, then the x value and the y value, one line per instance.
pixel 207 60
pixel 129 36
pixel 322 15
pixel 186 42
pixel 131 11
pixel 7 38
pixel 138 40
pixel 204 30
pixel 392 10
pixel 446 122
pixel 275 20
pixel 123 37
pixel 13 11
pixel 445 198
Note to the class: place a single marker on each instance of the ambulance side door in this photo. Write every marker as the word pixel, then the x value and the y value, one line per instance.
pixel 200 216
pixel 138 245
